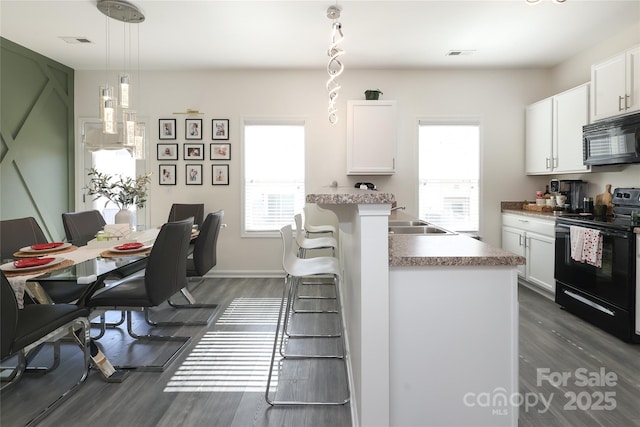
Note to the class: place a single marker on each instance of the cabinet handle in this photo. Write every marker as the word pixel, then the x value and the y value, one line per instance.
pixel 620 104
pixel 626 104
pixel 520 240
pixel 548 163
pixel 555 162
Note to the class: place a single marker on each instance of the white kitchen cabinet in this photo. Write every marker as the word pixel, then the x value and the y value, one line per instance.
pixel 534 239
pixel 372 136
pixel 554 133
pixel 615 85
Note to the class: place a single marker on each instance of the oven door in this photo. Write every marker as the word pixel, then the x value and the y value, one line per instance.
pixel 612 283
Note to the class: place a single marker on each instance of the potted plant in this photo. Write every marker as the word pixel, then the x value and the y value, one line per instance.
pixel 123 192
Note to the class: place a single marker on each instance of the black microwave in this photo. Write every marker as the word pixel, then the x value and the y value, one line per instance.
pixel 612 141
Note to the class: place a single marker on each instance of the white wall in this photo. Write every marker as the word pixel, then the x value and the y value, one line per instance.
pixel 498 97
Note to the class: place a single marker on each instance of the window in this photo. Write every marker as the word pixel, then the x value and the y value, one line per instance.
pixel 449 172
pixel 273 181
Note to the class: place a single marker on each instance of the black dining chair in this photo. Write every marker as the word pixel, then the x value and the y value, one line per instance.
pixel 21 232
pixel 18 233
pixel 164 276
pixel 24 331
pixel 180 211
pixel 203 259
pixel 80 227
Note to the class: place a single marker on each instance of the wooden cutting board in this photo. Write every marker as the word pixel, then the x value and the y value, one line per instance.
pixel 605 198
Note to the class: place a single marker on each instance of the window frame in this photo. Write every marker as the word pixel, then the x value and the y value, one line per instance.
pixel 276 121
pixel 471 120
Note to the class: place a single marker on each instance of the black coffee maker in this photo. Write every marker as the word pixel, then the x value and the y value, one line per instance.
pixel 574 189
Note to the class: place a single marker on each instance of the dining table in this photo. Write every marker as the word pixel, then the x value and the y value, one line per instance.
pixel 87 265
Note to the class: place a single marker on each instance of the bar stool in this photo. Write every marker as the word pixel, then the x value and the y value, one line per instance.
pixel 296 268
pixel 313 227
pixel 305 243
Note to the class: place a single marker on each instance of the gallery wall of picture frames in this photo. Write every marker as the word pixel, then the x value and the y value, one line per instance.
pixel 192 151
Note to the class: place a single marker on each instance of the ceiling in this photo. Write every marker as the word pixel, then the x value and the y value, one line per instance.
pixel 212 34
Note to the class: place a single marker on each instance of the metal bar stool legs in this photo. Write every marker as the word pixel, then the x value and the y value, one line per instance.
pixel 277 343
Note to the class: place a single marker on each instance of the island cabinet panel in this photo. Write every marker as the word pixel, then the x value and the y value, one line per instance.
pixel 371 137
pixel 453 342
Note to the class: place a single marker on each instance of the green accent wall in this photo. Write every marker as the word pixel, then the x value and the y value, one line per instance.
pixel 36 138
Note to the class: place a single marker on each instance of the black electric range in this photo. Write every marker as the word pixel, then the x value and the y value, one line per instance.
pixel 604 294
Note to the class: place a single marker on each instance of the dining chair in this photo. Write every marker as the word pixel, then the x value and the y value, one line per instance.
pixel 24 331
pixel 18 233
pixel 180 211
pixel 164 276
pixel 201 261
pixel 80 227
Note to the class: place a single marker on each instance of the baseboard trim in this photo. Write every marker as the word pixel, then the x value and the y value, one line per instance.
pixel 537 289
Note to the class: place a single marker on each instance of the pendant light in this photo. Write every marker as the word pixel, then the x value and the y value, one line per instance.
pixel 334 66
pixel 132 132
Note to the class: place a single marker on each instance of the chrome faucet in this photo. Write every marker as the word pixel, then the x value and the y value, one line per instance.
pixel 398 207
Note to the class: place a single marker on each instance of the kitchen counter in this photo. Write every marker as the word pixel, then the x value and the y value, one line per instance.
pixel 447 250
pixel 349 196
pixel 417 309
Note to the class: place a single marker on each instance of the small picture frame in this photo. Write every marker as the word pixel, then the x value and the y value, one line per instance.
pixel 193 128
pixel 167 129
pixel 194 151
pixel 220 174
pixel 193 174
pixel 220 151
pixel 167 152
pixel 220 129
pixel 167 174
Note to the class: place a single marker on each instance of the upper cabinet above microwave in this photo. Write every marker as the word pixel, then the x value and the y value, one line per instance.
pixel 554 133
pixel 372 135
pixel 615 85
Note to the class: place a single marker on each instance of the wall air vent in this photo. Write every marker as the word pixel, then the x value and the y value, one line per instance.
pixel 76 40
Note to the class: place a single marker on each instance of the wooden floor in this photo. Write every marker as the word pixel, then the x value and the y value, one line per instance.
pixel 219 380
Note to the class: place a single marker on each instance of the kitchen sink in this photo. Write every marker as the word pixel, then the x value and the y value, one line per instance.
pixel 399 223
pixel 420 229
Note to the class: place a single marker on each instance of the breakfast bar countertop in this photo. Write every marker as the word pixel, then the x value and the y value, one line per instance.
pixel 349 196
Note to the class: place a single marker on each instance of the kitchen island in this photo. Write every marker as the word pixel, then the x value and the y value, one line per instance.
pixel 431 321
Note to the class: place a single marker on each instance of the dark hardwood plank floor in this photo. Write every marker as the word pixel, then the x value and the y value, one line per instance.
pixel 572 364
pixel 228 389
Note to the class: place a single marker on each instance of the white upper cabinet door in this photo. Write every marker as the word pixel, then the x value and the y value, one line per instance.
pixel 539 137
pixel 372 136
pixel 570 113
pixel 615 85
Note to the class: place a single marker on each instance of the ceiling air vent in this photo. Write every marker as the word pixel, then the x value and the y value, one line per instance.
pixel 76 40
pixel 460 52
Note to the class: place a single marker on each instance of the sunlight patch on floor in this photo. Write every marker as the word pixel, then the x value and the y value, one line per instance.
pixel 232 361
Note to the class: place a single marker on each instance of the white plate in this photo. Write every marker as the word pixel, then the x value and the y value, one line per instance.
pixel 10 267
pixel 28 249
pixel 125 251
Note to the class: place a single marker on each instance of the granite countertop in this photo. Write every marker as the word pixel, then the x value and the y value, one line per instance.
pixel 444 250
pixel 449 250
pixel 349 196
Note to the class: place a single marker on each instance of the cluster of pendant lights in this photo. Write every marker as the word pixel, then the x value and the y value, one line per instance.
pixel 334 66
pixel 110 103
